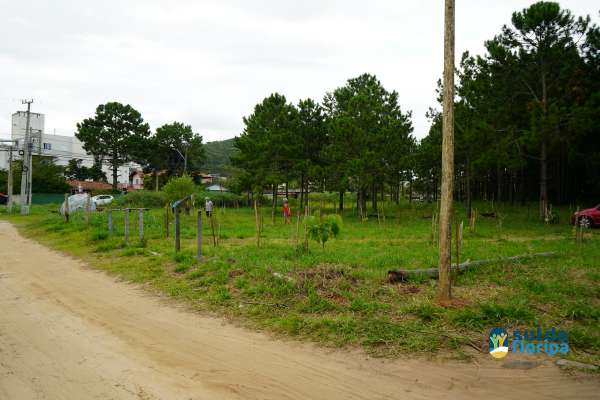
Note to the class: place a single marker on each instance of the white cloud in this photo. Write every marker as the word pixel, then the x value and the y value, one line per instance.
pixel 207 63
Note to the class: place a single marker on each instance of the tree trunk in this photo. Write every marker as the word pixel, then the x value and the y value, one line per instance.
pixel 445 221
pixel 399 191
pixel 302 190
pixel 341 205
pixel 498 182
pixel 468 187
pixel 155 173
pixel 115 168
pixel 374 197
pixel 274 203
pixel 306 192
pixel 544 153
pixel 543 181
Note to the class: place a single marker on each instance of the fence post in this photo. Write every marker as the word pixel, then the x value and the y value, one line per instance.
pixel 67 207
pixel 88 208
pixel 110 222
pixel 126 229
pixel 177 230
pixel 141 221
pixel 199 236
pixel 167 221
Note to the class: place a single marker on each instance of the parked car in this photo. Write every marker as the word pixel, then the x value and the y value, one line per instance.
pixel 587 218
pixel 102 199
pixel 3 198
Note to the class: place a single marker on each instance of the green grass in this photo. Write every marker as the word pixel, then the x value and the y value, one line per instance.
pixel 339 295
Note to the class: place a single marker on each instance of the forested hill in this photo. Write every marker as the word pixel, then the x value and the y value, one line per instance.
pixel 218 155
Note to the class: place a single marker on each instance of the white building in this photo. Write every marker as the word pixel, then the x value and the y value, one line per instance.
pixel 62 148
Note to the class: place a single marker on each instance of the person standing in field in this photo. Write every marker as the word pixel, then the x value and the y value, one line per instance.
pixel 287 213
pixel 208 207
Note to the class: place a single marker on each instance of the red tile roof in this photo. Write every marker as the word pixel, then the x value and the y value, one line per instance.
pixel 89 185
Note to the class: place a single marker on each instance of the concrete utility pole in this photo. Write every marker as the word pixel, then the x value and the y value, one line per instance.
pixel 444 284
pixel 25 199
pixel 9 191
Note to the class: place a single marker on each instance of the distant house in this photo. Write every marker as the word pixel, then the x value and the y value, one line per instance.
pixel 217 188
pixel 87 186
pixel 136 178
pixel 206 178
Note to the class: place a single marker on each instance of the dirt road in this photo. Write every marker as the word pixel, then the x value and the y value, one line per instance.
pixel 68 332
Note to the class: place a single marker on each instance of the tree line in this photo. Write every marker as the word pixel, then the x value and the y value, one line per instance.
pixel 526 123
pixel 526 114
pixel 357 139
pixel 117 134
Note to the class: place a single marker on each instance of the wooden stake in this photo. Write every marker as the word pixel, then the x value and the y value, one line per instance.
pixel 88 208
pixel 167 221
pixel 67 207
pixel 126 229
pixel 257 224
pixel 305 229
pixel 212 227
pixel 199 236
pixel 177 230
pixel 297 228
pixel 141 224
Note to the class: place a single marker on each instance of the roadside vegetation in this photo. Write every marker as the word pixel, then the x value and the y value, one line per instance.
pixel 339 295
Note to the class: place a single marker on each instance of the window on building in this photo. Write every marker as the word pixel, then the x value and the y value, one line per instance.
pixel 47 146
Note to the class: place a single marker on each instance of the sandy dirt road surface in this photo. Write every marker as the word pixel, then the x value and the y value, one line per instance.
pixel 69 332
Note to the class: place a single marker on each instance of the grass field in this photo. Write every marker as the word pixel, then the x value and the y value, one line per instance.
pixel 339 295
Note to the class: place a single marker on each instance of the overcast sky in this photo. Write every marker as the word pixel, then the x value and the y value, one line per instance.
pixel 207 63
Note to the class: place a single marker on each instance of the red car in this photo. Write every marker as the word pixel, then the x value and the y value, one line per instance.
pixel 587 218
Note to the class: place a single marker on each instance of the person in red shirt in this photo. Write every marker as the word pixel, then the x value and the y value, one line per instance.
pixel 287 213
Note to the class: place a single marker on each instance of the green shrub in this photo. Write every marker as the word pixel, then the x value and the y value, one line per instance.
pixel 179 187
pixel 321 228
pixel 142 198
pixel 112 192
pixel 99 235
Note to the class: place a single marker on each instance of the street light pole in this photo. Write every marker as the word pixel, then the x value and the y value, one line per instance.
pixel 183 157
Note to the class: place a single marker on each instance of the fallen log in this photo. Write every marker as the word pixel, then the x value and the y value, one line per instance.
pixel 404 274
pixel 488 214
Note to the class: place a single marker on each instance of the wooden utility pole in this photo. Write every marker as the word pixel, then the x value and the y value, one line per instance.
pixel 444 284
